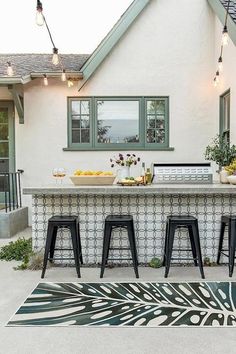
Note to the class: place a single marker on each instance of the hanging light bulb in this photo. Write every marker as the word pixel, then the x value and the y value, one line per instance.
pixel 70 83
pixel 225 36
pixel 215 82
pixel 217 77
pixel 63 75
pixel 220 64
pixel 39 14
pixel 45 80
pixel 55 57
pixel 10 71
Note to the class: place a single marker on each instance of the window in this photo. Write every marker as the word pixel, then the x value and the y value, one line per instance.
pixel 116 123
pixel 225 116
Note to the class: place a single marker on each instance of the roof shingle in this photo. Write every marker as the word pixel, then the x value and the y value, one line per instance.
pixel 25 64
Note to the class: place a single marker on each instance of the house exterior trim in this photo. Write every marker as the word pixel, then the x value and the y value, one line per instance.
pixel 220 11
pixel 111 39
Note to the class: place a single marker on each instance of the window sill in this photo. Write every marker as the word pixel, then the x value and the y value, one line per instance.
pixel 118 149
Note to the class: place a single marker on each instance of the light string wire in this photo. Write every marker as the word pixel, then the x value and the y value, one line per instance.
pixel 220 60
pixel 10 71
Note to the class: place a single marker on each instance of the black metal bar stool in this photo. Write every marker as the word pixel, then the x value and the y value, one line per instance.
pixel 230 221
pixel 68 222
pixel 119 221
pixel 191 223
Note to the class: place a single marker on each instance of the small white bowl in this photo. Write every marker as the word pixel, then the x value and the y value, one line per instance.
pixel 232 179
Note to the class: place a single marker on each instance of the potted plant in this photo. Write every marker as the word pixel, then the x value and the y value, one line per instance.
pixel 222 153
pixel 231 169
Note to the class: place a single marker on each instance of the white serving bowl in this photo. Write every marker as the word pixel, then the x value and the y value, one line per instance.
pixel 232 179
pixel 92 180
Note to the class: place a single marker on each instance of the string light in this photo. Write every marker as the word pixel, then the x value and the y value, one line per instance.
pixel 10 71
pixel 225 36
pixel 224 42
pixel 63 75
pixel 45 80
pixel 70 83
pixel 39 14
pixel 55 57
pixel 220 64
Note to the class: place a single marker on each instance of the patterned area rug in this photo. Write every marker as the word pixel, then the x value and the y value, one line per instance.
pixel 129 304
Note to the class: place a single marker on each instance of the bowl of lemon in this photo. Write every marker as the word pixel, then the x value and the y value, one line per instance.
pixel 94 178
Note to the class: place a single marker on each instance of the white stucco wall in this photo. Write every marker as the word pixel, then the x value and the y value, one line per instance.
pixel 168 51
pixel 227 78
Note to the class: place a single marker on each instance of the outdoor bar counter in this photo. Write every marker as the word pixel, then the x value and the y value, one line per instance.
pixel 149 205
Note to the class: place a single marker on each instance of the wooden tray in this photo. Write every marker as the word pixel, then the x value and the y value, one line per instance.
pixel 127 184
pixel 92 180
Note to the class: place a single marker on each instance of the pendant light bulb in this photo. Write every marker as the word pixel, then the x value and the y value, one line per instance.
pixel 225 36
pixel 215 82
pixel 63 75
pixel 45 80
pixel 220 64
pixel 9 69
pixel 70 83
pixel 55 57
pixel 39 14
pixel 217 77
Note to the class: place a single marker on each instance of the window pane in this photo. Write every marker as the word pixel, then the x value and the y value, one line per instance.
pixel 75 136
pixel 80 121
pixel 3 115
pixel 4 152
pixel 118 122
pixel 226 120
pixel 3 131
pixel 155 121
pixel 156 107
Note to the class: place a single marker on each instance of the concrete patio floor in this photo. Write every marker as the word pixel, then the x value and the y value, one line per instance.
pixel 15 286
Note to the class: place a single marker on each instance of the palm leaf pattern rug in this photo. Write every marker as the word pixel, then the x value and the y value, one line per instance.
pixel 129 304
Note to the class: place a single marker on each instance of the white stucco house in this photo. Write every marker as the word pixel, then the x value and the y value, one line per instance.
pixel 147 89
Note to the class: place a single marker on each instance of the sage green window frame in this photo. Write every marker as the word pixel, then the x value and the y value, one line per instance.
pixel 141 145
pixel 224 99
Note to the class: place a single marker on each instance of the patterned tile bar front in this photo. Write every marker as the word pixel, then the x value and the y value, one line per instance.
pixel 149 212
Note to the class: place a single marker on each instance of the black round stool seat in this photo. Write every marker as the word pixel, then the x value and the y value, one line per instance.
pixel 230 221
pixel 121 221
pixel 71 223
pixel 191 223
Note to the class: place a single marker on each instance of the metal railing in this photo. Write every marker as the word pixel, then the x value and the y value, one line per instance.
pixel 10 188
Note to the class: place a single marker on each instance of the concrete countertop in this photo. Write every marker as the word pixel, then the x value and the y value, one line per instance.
pixel 158 189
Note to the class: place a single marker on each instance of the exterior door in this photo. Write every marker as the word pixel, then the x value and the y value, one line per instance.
pixel 7 143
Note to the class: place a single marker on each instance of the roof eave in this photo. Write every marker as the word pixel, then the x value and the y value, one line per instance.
pixel 220 11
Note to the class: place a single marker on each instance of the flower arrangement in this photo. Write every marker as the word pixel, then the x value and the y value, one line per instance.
pixel 125 160
pixel 231 168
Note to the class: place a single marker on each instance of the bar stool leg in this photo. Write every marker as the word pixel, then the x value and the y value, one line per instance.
pixel 192 245
pixel 165 249
pixel 47 248
pixel 73 230
pixel 133 249
pixel 169 247
pixel 79 244
pixel 222 231
pixel 198 248
pixel 106 245
pixel 232 238
pixel 53 242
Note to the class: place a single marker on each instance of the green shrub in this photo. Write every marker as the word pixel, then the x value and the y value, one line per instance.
pixel 155 263
pixel 17 250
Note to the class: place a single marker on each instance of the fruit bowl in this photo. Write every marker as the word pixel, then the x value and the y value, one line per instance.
pixel 92 180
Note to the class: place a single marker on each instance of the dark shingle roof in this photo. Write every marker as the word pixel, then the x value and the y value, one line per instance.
pixel 25 64
pixel 232 8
